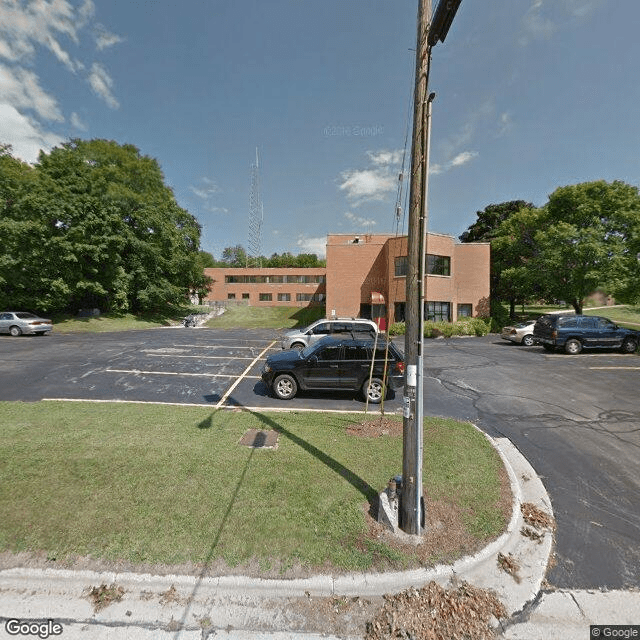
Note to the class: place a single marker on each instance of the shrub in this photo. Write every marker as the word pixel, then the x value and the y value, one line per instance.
pixel 466 327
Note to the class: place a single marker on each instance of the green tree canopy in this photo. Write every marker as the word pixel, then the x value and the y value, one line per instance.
pixel 588 237
pixel 94 225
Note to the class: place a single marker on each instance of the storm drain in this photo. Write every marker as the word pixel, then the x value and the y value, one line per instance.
pixel 260 439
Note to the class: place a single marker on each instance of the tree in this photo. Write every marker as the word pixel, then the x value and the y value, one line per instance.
pixel 234 256
pixel 513 251
pixel 507 227
pixel 588 237
pixel 93 224
pixel 490 218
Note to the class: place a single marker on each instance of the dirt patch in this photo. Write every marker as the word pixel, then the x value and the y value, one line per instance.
pixel 445 538
pixel 376 427
pixel 435 613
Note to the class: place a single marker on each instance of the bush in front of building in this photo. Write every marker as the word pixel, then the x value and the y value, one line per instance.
pixel 466 327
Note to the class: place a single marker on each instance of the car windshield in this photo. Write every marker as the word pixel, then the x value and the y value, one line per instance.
pixel 24 315
pixel 311 349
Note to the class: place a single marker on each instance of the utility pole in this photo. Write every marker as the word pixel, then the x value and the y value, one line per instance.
pixel 430 31
pixel 411 515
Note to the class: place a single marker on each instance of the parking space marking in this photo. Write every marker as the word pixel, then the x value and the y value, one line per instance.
pixel 176 373
pixel 228 407
pixel 617 368
pixel 244 375
pixel 173 355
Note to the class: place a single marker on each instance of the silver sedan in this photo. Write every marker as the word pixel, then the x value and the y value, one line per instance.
pixel 18 322
pixel 521 333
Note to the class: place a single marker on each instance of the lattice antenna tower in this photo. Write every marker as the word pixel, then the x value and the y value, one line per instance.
pixel 256 216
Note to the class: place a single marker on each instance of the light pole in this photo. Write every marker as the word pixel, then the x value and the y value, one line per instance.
pixel 430 31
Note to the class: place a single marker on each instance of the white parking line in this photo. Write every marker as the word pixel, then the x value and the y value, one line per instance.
pixel 229 407
pixel 617 368
pixel 173 355
pixel 174 373
pixel 239 380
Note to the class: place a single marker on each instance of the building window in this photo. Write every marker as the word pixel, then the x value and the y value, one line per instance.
pixel 398 313
pixel 401 266
pixel 265 297
pixel 245 296
pixel 465 310
pixel 231 296
pixel 438 265
pixel 310 297
pixel 438 311
pixel 284 297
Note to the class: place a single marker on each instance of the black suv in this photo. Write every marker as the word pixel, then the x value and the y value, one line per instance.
pixel 575 333
pixel 336 363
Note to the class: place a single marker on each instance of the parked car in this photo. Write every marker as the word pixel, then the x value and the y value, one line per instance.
pixel 18 322
pixel 573 333
pixel 521 333
pixel 336 363
pixel 300 338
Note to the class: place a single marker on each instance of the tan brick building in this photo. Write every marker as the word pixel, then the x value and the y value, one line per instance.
pixel 365 276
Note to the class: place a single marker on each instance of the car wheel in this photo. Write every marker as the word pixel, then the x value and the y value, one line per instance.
pixel 573 347
pixel 528 341
pixel 285 387
pixel 373 390
pixel 629 345
pixel 15 331
pixel 298 346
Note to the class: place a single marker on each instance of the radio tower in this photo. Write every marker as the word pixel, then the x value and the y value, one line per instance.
pixel 254 241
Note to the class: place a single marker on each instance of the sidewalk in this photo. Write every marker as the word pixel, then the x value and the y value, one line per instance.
pixel 238 608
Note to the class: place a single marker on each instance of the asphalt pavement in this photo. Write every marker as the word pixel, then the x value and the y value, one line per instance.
pixel 574 418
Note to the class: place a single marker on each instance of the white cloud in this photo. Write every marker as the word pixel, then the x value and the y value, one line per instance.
pixel 505 123
pixel 457 161
pixel 463 158
pixel 313 245
pixel 385 158
pixel 101 83
pixel 25 136
pixel 105 39
pixel 371 184
pixel 543 19
pixel 21 89
pixel 359 221
pixel 77 122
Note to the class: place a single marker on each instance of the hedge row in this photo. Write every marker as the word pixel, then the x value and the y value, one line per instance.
pixel 467 327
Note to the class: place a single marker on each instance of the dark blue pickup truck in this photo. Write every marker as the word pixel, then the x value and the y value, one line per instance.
pixel 575 333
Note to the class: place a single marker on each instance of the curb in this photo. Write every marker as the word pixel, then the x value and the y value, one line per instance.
pixel 62 594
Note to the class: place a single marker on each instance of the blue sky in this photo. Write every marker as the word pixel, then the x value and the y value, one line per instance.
pixel 531 95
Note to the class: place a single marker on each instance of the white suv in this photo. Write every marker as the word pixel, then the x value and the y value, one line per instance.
pixel 300 338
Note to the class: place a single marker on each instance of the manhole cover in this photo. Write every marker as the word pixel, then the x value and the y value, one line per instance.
pixel 260 439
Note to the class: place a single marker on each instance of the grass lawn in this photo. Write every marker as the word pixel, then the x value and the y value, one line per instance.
pixel 622 314
pixel 171 485
pixel 117 321
pixel 266 317
pixel 628 315
pixel 233 318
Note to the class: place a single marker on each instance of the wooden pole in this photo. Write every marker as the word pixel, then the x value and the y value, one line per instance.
pixel 411 449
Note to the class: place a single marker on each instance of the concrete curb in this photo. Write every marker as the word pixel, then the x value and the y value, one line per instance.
pixel 62 594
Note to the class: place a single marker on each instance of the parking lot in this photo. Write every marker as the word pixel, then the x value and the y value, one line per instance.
pixel 176 365
pixel 575 418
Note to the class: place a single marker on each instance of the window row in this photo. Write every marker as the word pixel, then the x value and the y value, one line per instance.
pixel 436 311
pixel 283 297
pixel 436 265
pixel 245 279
